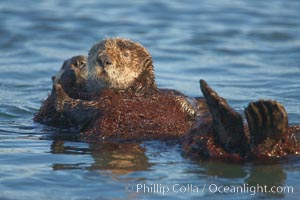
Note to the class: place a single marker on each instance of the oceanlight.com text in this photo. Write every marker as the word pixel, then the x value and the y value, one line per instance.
pixel 163 189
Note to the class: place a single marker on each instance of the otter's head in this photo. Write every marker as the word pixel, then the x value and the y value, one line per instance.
pixel 120 64
pixel 72 76
pixel 73 71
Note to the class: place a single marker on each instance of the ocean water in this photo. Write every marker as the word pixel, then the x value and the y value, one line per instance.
pixel 245 50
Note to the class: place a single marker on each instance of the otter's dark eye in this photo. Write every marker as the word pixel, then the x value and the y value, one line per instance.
pixel 82 65
pixel 126 54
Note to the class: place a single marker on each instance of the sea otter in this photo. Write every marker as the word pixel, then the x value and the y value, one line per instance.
pixel 118 99
pixel 72 77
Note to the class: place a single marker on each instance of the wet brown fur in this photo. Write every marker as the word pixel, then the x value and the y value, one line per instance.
pixel 126 116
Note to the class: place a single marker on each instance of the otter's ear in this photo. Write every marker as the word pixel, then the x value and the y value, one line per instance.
pixel 145 83
pixel 53 79
pixel 64 65
pixel 123 44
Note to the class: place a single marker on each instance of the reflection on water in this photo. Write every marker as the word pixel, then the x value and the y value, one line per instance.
pixel 118 158
pixel 246 50
pixel 270 175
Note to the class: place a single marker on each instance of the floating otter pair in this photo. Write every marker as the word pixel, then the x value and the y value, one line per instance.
pixel 112 95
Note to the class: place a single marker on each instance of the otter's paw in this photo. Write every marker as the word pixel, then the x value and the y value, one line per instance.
pixel 228 123
pixel 267 119
pixel 188 105
pixel 59 97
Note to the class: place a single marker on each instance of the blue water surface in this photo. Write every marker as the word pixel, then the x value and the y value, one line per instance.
pixel 246 50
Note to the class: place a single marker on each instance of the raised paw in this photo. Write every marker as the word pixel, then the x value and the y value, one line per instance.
pixel 266 119
pixel 228 123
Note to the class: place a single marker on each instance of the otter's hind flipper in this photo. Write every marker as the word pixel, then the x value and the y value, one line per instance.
pixel 266 119
pixel 228 123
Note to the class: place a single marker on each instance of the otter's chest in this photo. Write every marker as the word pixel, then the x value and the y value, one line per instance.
pixel 127 116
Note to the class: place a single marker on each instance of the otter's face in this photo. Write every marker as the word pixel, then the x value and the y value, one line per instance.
pixel 116 63
pixel 73 70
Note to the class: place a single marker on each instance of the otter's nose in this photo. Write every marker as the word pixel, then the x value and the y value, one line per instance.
pixel 104 60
